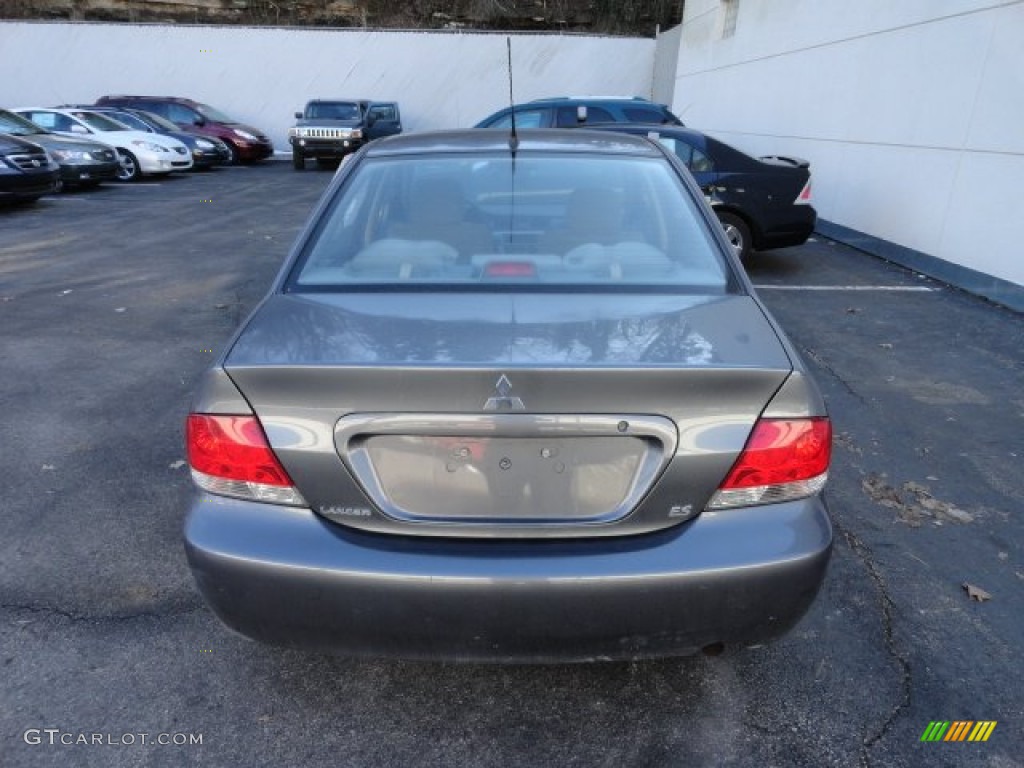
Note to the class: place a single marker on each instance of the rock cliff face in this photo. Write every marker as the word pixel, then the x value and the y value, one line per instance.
pixel 636 17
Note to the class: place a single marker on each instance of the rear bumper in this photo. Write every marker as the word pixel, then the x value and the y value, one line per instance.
pixel 286 576
pixel 793 230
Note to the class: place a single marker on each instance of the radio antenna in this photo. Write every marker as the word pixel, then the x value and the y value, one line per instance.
pixel 513 139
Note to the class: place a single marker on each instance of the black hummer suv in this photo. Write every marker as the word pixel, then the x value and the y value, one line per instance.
pixel 329 129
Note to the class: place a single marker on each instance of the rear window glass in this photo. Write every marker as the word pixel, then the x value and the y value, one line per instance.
pixel 482 220
pixel 526 118
pixel 385 112
pixel 567 117
pixel 645 115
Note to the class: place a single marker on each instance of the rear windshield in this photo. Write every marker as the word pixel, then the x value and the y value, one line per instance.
pixel 483 220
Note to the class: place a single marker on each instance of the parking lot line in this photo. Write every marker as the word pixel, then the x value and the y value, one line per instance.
pixel 905 288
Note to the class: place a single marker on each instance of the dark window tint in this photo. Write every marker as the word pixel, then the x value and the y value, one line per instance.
pixel 181 115
pixel 526 118
pixel 150 106
pixel 385 112
pixel 644 115
pixel 699 162
pixel 693 158
pixel 566 117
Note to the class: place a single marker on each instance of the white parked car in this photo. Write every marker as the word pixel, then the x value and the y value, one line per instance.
pixel 138 152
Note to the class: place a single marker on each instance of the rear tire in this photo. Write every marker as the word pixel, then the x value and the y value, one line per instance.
pixel 128 166
pixel 235 158
pixel 298 161
pixel 737 233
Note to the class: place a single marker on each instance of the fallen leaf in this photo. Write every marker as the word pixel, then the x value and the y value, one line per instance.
pixel 176 464
pixel 49 467
pixel 65 293
pixel 121 309
pixel 885 345
pixel 976 593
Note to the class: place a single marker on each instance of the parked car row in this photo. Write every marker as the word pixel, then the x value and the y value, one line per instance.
pixel 762 203
pixel 119 137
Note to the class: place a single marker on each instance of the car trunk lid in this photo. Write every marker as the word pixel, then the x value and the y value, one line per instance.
pixel 507 414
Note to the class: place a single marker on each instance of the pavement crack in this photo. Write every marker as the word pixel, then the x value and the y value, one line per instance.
pixel 873 736
pixel 819 360
pixel 73 616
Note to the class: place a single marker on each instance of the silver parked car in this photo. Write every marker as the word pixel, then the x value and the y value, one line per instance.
pixel 511 397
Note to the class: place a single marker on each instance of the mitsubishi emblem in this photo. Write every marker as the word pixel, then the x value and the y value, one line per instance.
pixel 505 401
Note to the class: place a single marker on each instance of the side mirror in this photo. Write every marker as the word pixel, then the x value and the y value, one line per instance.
pixel 298 115
pixel 581 113
pixel 199 120
pixel 76 128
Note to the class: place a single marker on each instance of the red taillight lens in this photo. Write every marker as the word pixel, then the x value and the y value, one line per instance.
pixel 804 197
pixel 233 448
pixel 783 459
pixel 782 451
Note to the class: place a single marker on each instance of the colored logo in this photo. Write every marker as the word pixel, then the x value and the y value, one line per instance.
pixel 958 730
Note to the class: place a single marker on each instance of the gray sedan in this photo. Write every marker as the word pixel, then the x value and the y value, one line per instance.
pixel 510 398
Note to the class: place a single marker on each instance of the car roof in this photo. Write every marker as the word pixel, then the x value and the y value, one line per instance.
pixel 594 100
pixel 152 98
pixel 530 140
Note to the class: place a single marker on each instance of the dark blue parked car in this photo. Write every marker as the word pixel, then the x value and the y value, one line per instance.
pixel 571 112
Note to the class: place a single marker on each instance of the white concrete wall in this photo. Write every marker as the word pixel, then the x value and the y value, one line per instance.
pixel 910 112
pixel 263 75
pixel 666 59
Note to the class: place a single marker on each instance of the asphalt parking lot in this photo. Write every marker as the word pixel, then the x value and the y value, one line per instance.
pixel 113 301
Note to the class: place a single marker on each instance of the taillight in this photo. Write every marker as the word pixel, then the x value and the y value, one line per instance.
pixel 804 198
pixel 783 459
pixel 230 456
